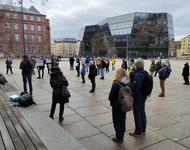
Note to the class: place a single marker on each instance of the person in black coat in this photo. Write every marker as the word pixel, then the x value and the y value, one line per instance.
pixel 71 61
pixel 185 73
pixel 57 80
pixel 92 75
pixel 118 115
pixel 78 67
pixel 27 70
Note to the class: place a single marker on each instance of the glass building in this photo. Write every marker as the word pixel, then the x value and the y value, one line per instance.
pixel 138 34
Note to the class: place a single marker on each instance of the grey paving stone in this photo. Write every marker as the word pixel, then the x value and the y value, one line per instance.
pixel 70 119
pixel 134 143
pixel 107 129
pixel 166 145
pixel 176 132
pixel 79 104
pixel 81 129
pixel 101 119
pixel 100 142
pixel 185 142
pixel 92 110
pixel 156 122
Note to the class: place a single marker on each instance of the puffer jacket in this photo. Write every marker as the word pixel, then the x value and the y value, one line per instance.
pixel 57 80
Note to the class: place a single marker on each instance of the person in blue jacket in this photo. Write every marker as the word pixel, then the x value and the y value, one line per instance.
pixel 136 85
pixel 83 72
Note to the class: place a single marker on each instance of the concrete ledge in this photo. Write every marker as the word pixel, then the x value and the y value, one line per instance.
pixel 51 134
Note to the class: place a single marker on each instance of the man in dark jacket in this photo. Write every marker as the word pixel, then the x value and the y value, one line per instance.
pixel 124 64
pixel 78 67
pixel 57 80
pixel 71 61
pixel 139 99
pixel 27 68
pixel 103 66
pixel 185 73
pixel 9 65
pixel 92 75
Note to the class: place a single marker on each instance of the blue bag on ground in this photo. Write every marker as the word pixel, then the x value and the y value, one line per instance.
pixel 14 98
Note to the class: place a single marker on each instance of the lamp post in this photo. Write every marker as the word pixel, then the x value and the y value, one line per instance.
pixel 127 50
pixel 24 48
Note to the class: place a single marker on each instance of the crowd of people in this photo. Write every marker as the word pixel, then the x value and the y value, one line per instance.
pixel 131 74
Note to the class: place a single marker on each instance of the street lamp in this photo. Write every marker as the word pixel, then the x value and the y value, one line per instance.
pixel 24 48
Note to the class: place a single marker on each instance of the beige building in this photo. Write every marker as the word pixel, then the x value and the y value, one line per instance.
pixel 185 47
pixel 64 47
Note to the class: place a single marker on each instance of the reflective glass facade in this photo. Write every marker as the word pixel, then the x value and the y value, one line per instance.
pixel 144 34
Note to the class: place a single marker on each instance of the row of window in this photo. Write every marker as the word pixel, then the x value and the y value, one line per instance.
pixel 25 17
pixel 26 27
pixel 17 37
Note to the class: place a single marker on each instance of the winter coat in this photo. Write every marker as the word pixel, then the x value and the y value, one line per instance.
pixel 152 67
pixel 136 86
pixel 162 73
pixel 92 71
pixel 57 80
pixel 185 70
pixel 26 66
pixel 114 94
pixel 77 65
pixel 8 63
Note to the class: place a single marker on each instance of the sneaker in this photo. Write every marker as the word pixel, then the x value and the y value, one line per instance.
pixel 134 134
pixel 51 116
pixel 61 119
pixel 91 91
pixel 161 95
pixel 117 141
pixel 38 78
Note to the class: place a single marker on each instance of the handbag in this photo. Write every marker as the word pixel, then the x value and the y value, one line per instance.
pixel 65 93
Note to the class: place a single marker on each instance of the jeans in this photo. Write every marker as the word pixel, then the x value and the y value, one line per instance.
pixel 139 117
pixel 119 118
pixel 53 107
pixel 102 72
pixel 83 79
pixel 9 68
pixel 41 68
pixel 93 84
pixel 27 77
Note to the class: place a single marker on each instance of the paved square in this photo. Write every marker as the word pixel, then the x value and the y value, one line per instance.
pixel 88 116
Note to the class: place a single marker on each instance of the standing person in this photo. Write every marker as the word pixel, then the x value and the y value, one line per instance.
pixel 26 67
pixel 33 61
pixel 158 67
pixel 83 72
pixel 185 73
pixel 131 66
pixel 87 62
pixel 113 63
pixel 41 66
pixel 98 64
pixel 92 75
pixel 103 66
pixel 136 85
pixel 118 115
pixel 9 65
pixel 57 80
pixel 107 64
pixel 152 67
pixel 124 64
pixel 164 73
pixel 49 64
pixel 77 65
pixel 71 61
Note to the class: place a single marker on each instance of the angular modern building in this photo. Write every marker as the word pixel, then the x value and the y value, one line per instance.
pixel 138 34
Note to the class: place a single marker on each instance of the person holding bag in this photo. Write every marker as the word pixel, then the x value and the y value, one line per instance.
pixel 60 92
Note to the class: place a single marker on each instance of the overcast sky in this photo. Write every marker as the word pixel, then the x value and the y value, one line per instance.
pixel 68 16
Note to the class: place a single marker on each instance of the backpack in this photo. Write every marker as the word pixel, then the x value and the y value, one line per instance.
pixel 2 80
pixel 147 84
pixel 168 72
pixel 25 100
pixel 126 99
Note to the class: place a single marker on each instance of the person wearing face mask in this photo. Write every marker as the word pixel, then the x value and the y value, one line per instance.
pixel 119 117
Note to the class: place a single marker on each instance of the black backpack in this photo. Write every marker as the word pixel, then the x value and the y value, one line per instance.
pixel 25 100
pixel 147 84
pixel 2 79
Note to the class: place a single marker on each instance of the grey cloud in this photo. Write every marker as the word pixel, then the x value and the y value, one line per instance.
pixel 68 16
